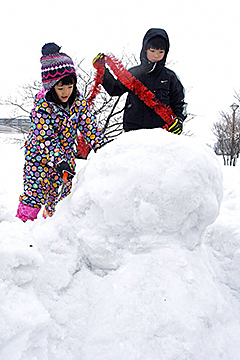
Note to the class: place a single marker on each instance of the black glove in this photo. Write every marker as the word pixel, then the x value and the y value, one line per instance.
pixel 62 167
pixel 176 127
pixel 99 61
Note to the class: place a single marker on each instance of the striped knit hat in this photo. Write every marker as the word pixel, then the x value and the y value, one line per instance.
pixel 55 65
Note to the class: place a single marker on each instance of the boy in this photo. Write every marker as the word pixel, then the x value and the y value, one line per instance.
pixel 152 73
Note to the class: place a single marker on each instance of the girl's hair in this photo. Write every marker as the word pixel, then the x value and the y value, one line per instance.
pixel 67 80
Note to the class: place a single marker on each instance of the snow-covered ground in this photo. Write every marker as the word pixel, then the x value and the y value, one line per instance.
pixel 140 262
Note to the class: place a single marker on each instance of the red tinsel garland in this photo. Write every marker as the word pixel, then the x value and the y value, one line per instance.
pixel 83 148
pixel 133 84
pixel 96 88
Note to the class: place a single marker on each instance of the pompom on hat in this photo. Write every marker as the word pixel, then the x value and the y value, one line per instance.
pixel 55 65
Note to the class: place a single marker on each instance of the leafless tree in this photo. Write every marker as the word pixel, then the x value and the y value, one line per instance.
pixel 108 109
pixel 227 132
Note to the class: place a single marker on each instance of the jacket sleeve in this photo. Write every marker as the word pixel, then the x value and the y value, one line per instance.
pixel 177 95
pixel 89 129
pixel 44 136
pixel 113 86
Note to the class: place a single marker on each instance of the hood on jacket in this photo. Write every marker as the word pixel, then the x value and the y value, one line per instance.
pixel 151 33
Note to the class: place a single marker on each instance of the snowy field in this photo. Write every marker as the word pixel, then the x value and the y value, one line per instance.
pixel 140 262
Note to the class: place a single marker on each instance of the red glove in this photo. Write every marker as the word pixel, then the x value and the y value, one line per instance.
pixel 83 149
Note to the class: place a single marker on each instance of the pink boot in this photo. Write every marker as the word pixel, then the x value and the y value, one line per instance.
pixel 25 212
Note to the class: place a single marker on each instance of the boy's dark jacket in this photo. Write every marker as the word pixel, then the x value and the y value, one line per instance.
pixel 161 81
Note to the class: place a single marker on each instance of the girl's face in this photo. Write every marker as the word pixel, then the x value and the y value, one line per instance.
pixel 63 91
pixel 155 55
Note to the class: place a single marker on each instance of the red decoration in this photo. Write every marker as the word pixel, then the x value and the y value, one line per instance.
pixel 83 148
pixel 98 79
pixel 133 84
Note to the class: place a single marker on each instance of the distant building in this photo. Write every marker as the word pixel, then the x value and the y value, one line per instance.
pixel 14 125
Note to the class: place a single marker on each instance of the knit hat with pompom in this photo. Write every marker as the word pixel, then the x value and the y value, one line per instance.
pixel 55 65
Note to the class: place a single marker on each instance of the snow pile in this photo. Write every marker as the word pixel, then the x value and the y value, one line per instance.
pixel 122 271
pixel 223 237
pixel 11 174
pixel 146 189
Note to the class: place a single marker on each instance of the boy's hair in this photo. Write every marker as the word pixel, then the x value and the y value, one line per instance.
pixel 67 80
pixel 157 42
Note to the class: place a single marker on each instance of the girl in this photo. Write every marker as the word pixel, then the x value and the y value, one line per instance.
pixel 59 112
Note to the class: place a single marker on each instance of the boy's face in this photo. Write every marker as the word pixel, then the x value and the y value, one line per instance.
pixel 155 55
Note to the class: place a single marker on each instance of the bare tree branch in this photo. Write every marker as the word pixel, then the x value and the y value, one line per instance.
pixel 227 132
pixel 108 110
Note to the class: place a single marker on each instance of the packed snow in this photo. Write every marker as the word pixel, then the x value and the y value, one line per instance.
pixel 140 262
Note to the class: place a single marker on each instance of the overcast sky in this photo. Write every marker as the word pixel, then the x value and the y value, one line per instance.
pixel 204 42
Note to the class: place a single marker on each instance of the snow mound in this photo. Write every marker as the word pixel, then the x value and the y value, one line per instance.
pixel 223 236
pixel 120 271
pixel 23 316
pixel 147 188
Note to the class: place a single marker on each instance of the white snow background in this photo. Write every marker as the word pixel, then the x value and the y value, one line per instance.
pixel 140 262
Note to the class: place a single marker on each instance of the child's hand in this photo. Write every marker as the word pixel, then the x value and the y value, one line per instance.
pixel 99 60
pixel 176 127
pixel 62 167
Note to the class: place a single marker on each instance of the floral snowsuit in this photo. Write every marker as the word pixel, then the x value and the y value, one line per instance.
pixel 51 139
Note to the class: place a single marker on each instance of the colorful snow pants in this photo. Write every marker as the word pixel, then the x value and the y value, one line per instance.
pixel 41 186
